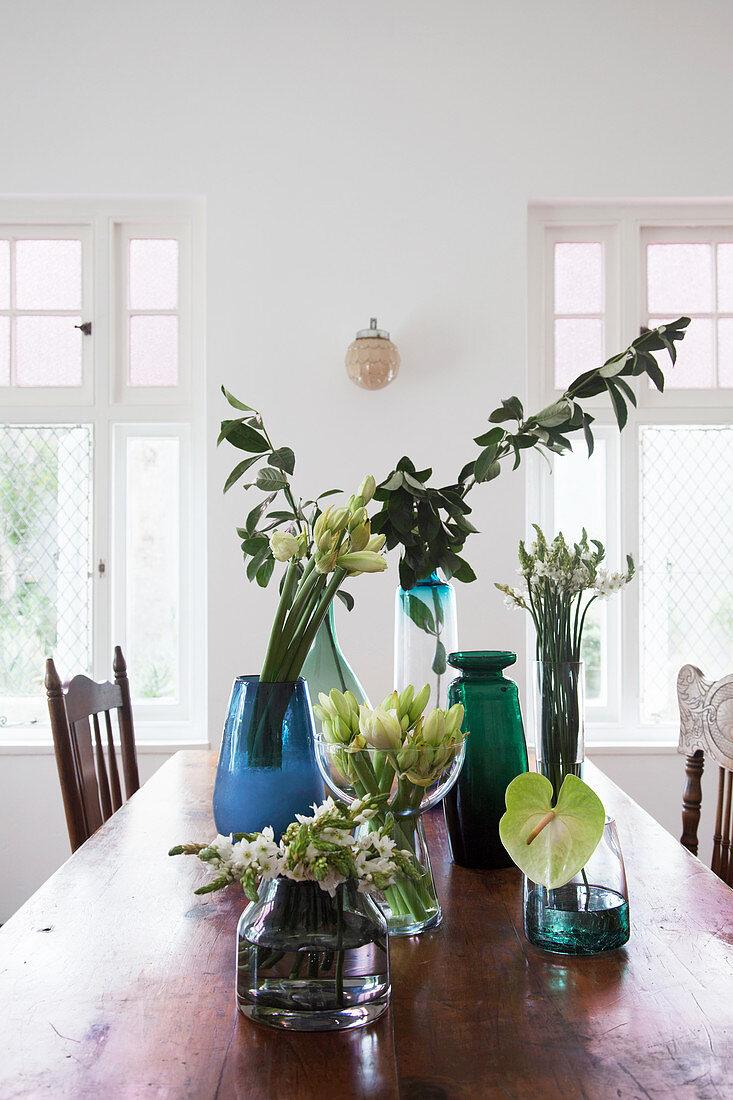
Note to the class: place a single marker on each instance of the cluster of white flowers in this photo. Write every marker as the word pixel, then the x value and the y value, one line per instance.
pixel 320 848
pixel 607 583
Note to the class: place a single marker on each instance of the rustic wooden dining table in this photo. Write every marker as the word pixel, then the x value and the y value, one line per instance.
pixel 117 982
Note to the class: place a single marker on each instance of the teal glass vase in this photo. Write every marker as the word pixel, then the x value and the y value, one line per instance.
pixel 496 752
pixel 426 631
pixel 326 667
pixel 589 914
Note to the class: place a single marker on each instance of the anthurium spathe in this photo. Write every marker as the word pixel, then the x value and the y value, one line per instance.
pixel 551 844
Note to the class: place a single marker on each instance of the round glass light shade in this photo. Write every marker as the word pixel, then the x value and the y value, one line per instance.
pixel 372 361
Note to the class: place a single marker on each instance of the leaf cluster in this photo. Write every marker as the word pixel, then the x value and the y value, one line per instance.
pixel 431 525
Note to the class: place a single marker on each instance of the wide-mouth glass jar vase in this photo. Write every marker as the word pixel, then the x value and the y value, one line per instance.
pixel 309 961
pixel 410 905
pixel 587 915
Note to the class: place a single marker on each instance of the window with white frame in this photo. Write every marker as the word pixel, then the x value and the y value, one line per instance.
pixel 663 488
pixel 99 423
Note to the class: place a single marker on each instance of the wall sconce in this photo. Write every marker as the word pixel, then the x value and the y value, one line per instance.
pixel 372 360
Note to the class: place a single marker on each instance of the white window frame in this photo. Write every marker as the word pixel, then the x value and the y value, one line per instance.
pixel 617 726
pixel 115 411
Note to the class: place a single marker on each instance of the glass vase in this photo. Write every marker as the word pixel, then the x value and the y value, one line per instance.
pixel 588 915
pixel 307 961
pixel 496 752
pixel 559 719
pixel 426 631
pixel 410 905
pixel 326 667
pixel 267 769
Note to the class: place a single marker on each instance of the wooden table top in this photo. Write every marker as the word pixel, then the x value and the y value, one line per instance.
pixel 116 982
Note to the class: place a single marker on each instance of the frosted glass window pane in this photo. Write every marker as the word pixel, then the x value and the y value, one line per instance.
pixel 680 278
pixel 4 351
pixel 687 576
pixel 4 274
pixel 45 565
pixel 153 555
pixel 578 347
pixel 725 278
pixel 47 351
pixel 695 366
pixel 153 351
pixel 48 274
pixel 579 277
pixel 153 274
pixel 725 351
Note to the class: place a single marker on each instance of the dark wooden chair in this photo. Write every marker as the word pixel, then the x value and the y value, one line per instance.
pixel 706 730
pixel 91 794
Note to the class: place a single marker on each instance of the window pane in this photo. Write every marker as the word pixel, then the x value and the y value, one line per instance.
pixel 579 485
pixel 680 278
pixel 153 274
pixel 695 366
pixel 725 351
pixel 153 351
pixel 687 568
pixel 48 274
pixel 4 351
pixel 578 347
pixel 725 278
pixel 4 274
pixel 152 525
pixel 579 277
pixel 45 561
pixel 47 351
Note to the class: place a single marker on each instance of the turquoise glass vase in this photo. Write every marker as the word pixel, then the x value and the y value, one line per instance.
pixel 426 631
pixel 267 770
pixel 326 667
pixel 496 752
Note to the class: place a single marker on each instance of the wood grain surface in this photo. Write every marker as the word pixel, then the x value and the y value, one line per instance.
pixel 116 982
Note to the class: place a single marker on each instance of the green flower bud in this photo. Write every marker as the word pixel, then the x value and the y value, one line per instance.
pixel 359 539
pixel 364 561
pixel 367 488
pixel 419 703
pixel 405 700
pixel 380 728
pixel 284 545
pixel 433 730
pixel 340 704
pixel 454 718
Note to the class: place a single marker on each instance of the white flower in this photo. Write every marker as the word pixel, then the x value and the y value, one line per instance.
pixel 284 545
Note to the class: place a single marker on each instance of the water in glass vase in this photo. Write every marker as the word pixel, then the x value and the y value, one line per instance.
pixel 576 919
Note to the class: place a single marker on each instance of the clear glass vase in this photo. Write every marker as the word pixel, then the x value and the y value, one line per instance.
pixel 267 770
pixel 426 631
pixel 411 905
pixel 588 915
pixel 326 667
pixel 307 961
pixel 559 719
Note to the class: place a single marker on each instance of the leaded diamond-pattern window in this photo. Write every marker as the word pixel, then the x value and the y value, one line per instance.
pixel 687 564
pixel 45 560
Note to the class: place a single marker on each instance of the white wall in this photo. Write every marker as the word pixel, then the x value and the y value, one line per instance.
pixel 358 157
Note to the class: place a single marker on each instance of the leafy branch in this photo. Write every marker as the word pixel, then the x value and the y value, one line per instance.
pixel 431 525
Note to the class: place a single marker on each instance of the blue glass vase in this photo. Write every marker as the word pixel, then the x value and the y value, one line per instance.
pixel 426 631
pixel 267 769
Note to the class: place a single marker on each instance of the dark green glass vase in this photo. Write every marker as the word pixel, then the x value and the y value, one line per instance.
pixel 496 752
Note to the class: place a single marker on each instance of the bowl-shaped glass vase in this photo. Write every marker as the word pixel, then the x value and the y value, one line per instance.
pixel 411 904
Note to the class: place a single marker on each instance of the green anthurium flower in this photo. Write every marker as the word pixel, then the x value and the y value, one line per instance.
pixel 551 843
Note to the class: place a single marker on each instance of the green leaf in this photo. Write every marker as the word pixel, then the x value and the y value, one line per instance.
pixel 238 470
pixel 511 409
pixel 395 481
pixel 419 613
pixel 244 437
pixel 254 516
pixel 255 544
pixel 346 599
pixel 566 844
pixel 270 480
pixel 619 405
pixel 284 459
pixel 484 462
pixel 265 571
pixel 236 403
pixel 440 661
pixel 494 435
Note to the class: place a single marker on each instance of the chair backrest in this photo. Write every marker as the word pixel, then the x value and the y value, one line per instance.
pixel 706 729
pixel 90 785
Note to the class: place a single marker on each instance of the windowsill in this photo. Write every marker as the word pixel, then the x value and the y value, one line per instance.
pixel 143 748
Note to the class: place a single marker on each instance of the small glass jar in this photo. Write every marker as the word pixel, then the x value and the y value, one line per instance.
pixel 307 961
pixel 590 914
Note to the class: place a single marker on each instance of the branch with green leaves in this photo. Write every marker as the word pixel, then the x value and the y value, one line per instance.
pixel 431 525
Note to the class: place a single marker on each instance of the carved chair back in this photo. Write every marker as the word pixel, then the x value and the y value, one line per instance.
pixel 90 784
pixel 706 730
